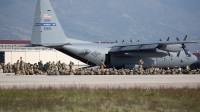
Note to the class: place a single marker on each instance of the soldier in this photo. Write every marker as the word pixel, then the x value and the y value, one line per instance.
pixel 40 65
pixel 82 72
pixel 151 70
pixel 91 72
pixel 31 72
pixel 116 72
pixel 98 72
pixel 163 72
pixel 141 62
pixel 136 71
pixel 106 72
pixel 70 65
pixel 198 71
pixel 154 72
pixel 111 71
pixel 168 71
pixel 71 73
pixel 159 71
pixel 53 66
pixel 22 65
pixel 5 68
pixel 58 64
pixel 17 67
pixel 190 72
pixel 1 67
pixel 179 72
pixel 123 71
pixel 140 70
pixel 102 65
pixel 173 72
pixel 64 66
pixel 131 72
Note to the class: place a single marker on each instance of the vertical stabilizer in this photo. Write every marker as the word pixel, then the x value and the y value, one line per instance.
pixel 46 27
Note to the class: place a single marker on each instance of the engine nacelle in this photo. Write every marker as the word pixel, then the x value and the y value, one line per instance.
pixel 171 48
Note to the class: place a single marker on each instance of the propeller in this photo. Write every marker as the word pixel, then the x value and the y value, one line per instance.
pixel 183 46
pixel 160 39
pixel 123 41
pixel 185 38
pixel 116 41
pixel 168 51
pixel 130 40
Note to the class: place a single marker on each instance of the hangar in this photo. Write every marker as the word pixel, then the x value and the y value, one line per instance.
pixel 12 50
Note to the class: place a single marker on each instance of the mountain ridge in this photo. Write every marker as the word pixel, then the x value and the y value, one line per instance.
pixel 107 20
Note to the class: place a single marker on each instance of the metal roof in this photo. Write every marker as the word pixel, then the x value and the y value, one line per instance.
pixel 15 41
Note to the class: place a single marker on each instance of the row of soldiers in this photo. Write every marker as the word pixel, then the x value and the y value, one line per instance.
pixel 22 68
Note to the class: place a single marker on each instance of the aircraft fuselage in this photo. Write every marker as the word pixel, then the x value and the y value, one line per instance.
pixel 94 53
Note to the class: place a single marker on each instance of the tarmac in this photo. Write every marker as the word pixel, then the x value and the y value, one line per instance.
pixel 100 81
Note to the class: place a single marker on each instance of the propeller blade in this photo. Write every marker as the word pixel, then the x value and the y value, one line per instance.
pixel 160 39
pixel 185 38
pixel 185 51
pixel 178 54
pixel 168 39
pixel 183 46
pixel 116 41
pixel 123 41
pixel 168 53
pixel 130 40
pixel 177 39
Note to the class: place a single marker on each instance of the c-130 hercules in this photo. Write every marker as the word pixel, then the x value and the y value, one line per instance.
pixel 48 32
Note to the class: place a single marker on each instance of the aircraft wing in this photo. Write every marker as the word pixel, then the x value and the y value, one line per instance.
pixel 133 47
pixel 138 46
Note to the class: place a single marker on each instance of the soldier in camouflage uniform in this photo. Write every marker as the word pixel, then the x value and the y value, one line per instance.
pixel 1 66
pixel 99 72
pixel 102 65
pixel 4 68
pixel 131 72
pixel 82 72
pixel 91 72
pixel 70 65
pixel 17 68
pixel 173 72
pixel 141 62
pixel 116 72
pixel 22 66
pixel 40 65
pixel 140 71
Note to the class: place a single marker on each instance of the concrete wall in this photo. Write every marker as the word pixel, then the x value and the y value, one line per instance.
pixel 34 56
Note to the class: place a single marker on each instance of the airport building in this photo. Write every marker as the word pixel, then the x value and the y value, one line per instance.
pixel 12 50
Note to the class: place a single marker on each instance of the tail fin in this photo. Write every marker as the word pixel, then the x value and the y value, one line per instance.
pixel 46 27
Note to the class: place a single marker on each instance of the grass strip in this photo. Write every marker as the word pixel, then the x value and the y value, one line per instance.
pixel 75 99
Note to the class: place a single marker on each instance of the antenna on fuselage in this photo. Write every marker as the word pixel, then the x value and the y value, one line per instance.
pixel 168 39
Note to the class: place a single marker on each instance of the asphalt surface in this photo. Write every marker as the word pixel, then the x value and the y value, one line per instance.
pixel 94 81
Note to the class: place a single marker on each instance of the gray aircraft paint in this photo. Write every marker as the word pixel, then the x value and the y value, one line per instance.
pixel 48 32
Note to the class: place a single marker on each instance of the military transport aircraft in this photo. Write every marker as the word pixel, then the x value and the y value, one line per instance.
pixel 48 32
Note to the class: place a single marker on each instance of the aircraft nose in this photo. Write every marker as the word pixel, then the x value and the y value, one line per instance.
pixel 194 59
